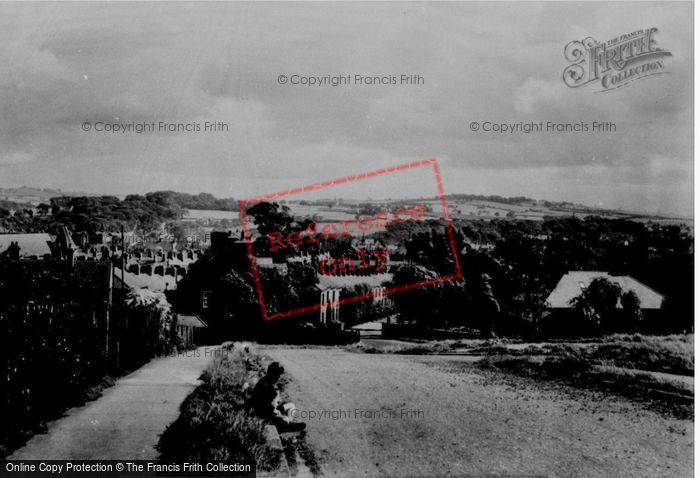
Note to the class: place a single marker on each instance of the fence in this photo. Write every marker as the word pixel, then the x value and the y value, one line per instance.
pixel 60 334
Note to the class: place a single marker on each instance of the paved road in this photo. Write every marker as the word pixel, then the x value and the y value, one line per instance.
pixel 471 423
pixel 127 420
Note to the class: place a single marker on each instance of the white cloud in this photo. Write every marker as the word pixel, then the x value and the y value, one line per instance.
pixel 530 95
pixel 220 62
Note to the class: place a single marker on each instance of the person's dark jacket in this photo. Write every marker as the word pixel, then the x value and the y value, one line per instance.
pixel 262 398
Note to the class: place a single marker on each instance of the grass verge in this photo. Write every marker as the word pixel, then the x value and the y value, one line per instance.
pixel 672 354
pixel 668 354
pixel 214 424
pixel 664 394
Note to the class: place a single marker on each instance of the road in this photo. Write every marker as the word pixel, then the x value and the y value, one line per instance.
pixel 127 420
pixel 461 421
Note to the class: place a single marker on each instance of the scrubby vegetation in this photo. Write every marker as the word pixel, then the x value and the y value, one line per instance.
pixel 672 354
pixel 665 354
pixel 669 354
pixel 426 348
pixel 214 424
pixel 656 371
pixel 632 366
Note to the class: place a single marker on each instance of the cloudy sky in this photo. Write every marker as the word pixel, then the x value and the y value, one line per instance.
pixel 69 63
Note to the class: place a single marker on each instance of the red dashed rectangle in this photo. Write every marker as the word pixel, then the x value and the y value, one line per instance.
pixel 398 215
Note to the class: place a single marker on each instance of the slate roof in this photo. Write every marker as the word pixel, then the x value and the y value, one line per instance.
pixel 154 282
pixel 332 282
pixel 190 321
pixel 34 244
pixel 572 284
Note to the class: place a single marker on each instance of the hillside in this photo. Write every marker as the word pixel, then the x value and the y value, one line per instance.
pixel 26 195
pixel 477 207
pixel 152 210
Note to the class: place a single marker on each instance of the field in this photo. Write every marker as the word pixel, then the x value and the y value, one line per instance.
pixel 210 214
pixel 471 208
pixel 460 207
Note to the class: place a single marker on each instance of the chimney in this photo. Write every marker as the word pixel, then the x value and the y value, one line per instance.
pixel 13 251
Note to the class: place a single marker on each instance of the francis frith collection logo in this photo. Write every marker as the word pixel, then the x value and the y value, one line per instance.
pixel 614 63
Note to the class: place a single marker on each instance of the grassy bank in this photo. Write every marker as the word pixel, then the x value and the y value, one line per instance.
pixel 216 425
pixel 655 370
pixel 665 393
pixel 667 354
pixel 672 354
pixel 213 424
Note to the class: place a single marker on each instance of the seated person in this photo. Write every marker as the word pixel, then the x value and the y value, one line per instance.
pixel 266 403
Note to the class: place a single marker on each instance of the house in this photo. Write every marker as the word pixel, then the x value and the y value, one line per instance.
pixel 187 327
pixel 63 248
pixel 154 282
pixel 332 289
pixel 572 284
pixel 34 245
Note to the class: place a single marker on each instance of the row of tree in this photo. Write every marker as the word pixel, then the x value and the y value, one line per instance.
pixel 109 213
pixel 527 260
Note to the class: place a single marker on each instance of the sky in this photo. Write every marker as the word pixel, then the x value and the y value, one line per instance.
pixel 67 64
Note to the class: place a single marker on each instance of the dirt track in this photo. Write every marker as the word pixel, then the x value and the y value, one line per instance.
pixel 471 424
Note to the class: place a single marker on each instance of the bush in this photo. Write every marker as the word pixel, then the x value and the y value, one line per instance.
pixel 574 366
pixel 214 424
pixel 670 354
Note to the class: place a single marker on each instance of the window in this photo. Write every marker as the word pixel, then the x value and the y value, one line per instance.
pixel 206 295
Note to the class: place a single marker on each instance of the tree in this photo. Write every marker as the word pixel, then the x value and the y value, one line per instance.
pixel 431 249
pixel 487 307
pixel 43 209
pixel 270 217
pixel 155 318
pixel 419 305
pixel 368 209
pixel 631 310
pixel 177 229
pixel 597 304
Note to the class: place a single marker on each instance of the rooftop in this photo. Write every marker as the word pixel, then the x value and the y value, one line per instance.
pixel 34 244
pixel 153 282
pixel 190 321
pixel 331 282
pixel 574 282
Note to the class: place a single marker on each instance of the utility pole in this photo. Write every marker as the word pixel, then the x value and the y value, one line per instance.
pixel 123 257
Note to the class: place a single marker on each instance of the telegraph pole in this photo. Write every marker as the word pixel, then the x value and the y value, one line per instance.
pixel 123 257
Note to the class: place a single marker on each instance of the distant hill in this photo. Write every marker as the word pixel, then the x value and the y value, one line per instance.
pixel 201 201
pixel 26 195
pixel 149 212
pixel 14 205
pixel 527 208
pixel 108 211
pixel 476 207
